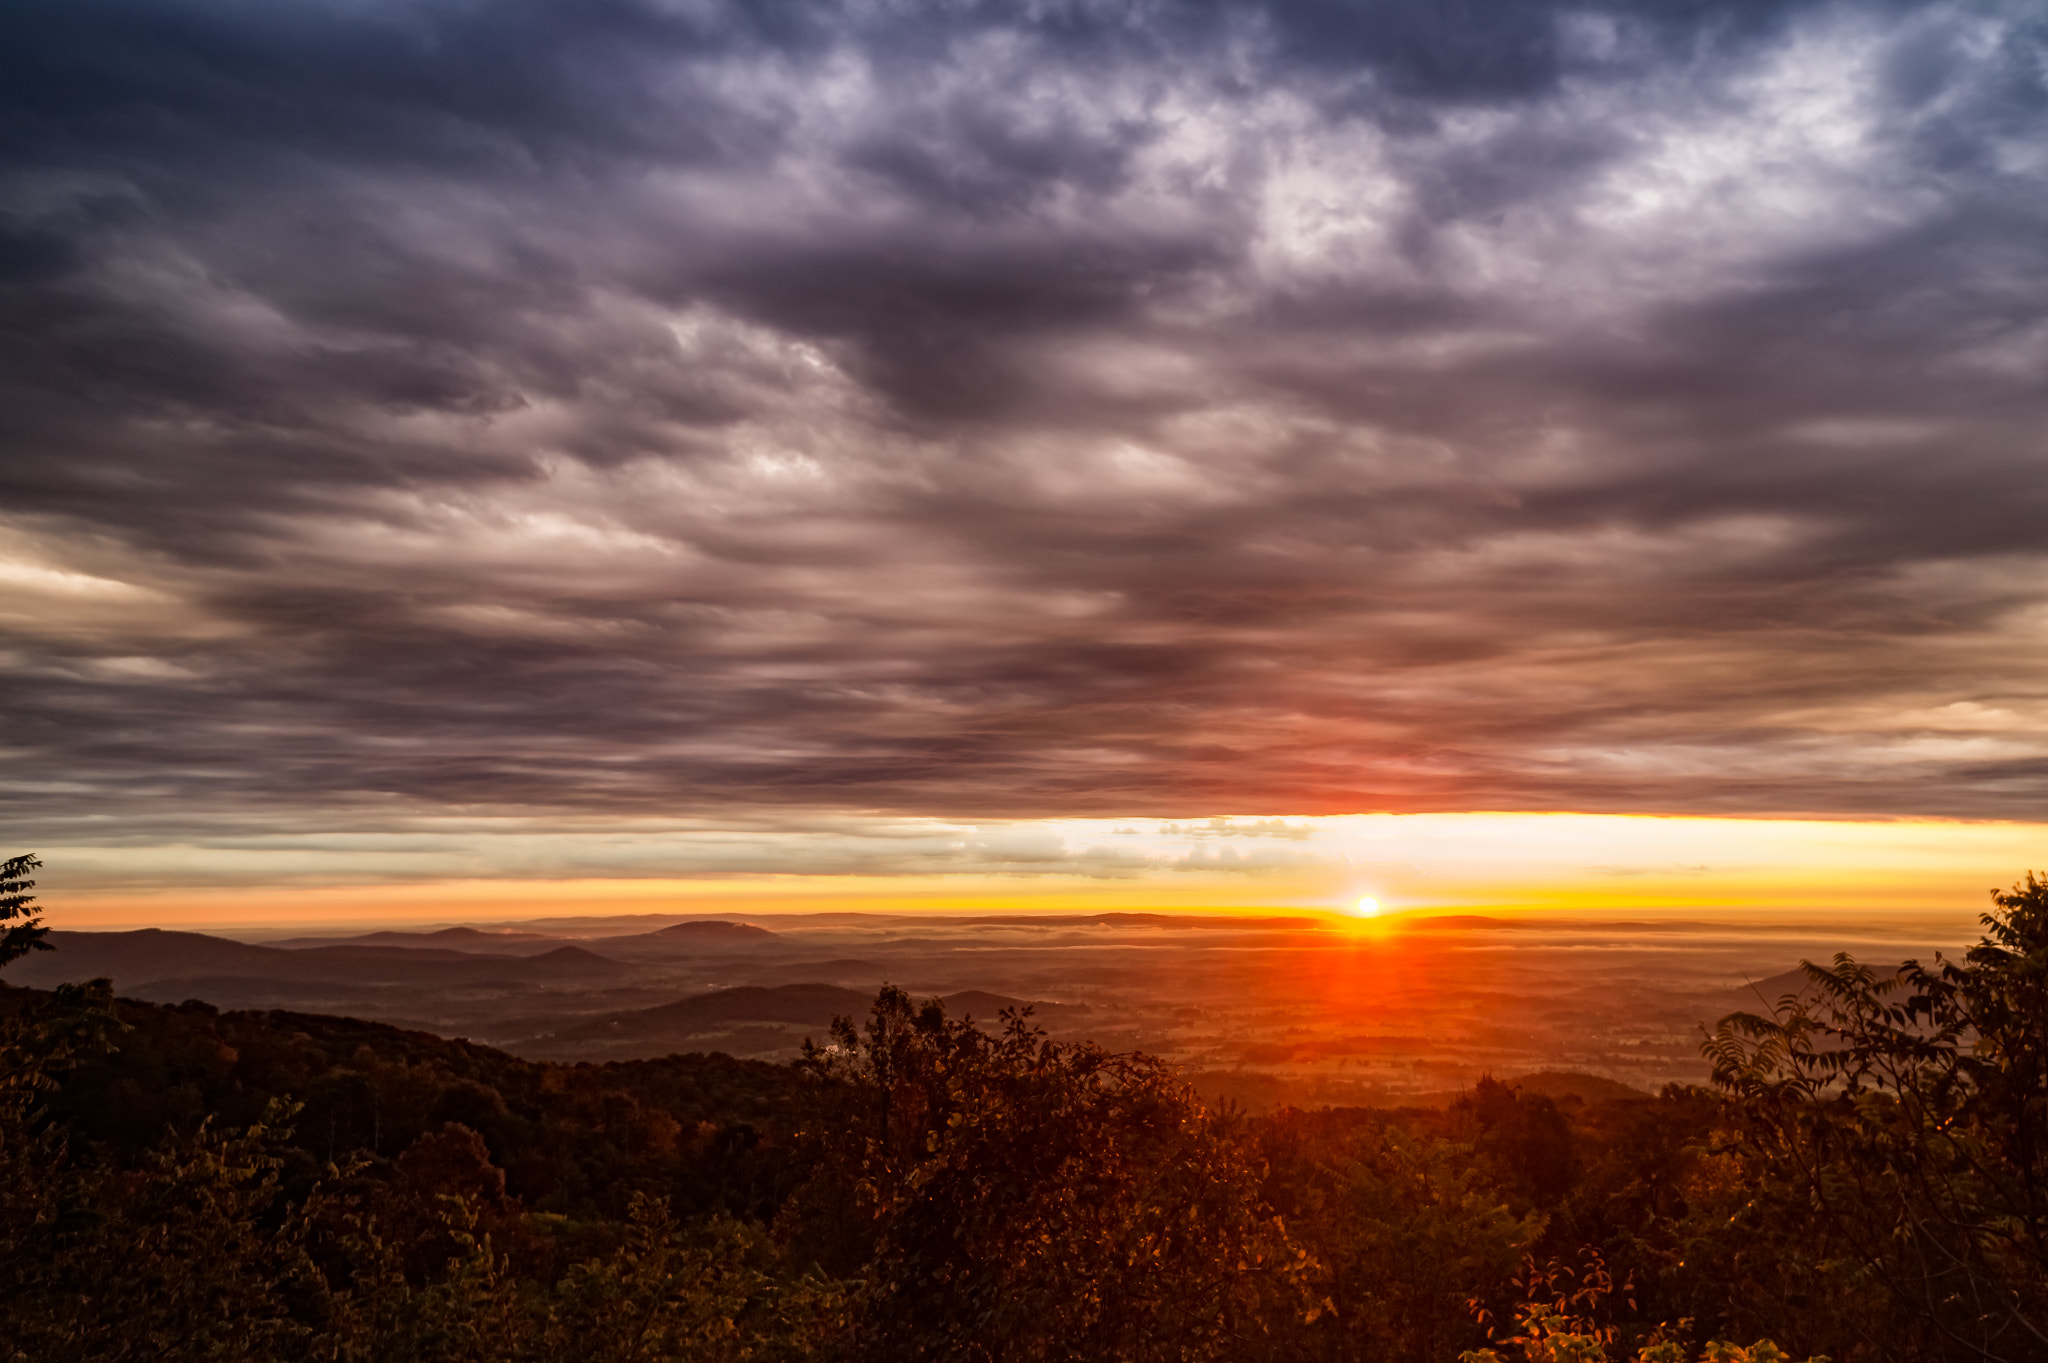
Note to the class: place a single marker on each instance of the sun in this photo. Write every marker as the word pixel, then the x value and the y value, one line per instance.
pixel 1368 907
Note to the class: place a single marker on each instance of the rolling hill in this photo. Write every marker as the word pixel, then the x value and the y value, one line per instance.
pixel 136 960
pixel 748 1020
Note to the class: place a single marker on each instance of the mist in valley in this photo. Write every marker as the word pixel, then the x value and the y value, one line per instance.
pixel 1260 1009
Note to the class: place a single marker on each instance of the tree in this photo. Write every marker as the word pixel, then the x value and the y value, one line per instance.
pixel 1908 1113
pixel 19 939
pixel 1030 1199
pixel 1558 1323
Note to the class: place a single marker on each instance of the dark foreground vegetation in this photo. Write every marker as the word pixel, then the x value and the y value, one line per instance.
pixel 1868 1180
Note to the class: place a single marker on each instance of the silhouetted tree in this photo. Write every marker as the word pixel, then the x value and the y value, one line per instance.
pixel 1036 1200
pixel 1910 1113
pixel 19 939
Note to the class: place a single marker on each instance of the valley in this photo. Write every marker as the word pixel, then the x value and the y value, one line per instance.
pixel 1261 1010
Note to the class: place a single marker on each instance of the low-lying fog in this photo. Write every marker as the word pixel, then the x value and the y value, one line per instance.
pixel 1261 1009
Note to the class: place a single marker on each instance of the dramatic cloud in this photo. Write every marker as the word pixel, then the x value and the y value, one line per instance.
pixel 681 408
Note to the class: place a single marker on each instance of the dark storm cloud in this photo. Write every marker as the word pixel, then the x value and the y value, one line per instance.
pixel 991 410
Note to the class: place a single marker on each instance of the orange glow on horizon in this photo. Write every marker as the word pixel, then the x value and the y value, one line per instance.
pixel 1542 864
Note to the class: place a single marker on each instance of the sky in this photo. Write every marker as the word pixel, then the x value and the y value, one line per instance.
pixel 458 455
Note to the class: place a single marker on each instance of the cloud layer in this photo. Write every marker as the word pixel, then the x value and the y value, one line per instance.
pixel 984 411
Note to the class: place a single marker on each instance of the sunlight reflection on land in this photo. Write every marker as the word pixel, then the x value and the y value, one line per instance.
pixel 1238 948
pixel 1310 1008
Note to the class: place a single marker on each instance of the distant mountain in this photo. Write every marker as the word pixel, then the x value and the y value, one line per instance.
pixel 808 1004
pixel 395 1004
pixel 137 959
pixel 462 939
pixel 569 960
pixel 750 1018
pixel 132 958
pixel 703 937
pixel 675 939
pixel 1114 919
pixel 984 1006
pixel 714 930
pixel 1762 996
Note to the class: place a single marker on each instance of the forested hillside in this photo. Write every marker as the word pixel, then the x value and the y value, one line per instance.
pixel 1866 1182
